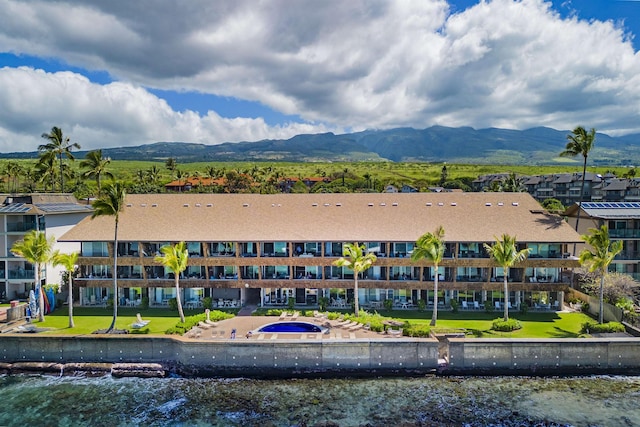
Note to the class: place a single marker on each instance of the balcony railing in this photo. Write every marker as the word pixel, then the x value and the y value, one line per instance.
pixel 627 233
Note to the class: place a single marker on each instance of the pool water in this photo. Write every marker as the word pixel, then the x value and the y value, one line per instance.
pixel 291 327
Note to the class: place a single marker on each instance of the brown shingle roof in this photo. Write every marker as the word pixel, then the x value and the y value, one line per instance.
pixel 327 217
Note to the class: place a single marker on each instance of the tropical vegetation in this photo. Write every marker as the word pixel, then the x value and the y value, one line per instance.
pixel 431 246
pixel 356 258
pixel 175 257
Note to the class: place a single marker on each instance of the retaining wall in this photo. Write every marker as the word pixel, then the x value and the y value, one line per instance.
pixel 229 358
pixel 545 356
pixel 282 358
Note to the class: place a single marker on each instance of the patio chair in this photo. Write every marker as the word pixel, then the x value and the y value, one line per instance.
pixel 476 305
pixel 497 305
pixel 465 306
pixel 140 323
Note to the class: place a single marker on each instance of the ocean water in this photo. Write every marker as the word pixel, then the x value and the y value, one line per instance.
pixel 428 401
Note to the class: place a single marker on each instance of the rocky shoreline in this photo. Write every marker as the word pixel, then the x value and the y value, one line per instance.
pixel 118 370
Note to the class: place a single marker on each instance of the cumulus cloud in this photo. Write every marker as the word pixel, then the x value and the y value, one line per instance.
pixel 336 64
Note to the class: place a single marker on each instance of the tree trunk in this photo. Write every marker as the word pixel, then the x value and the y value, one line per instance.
pixel 356 304
pixel 115 281
pixel 506 295
pixel 39 292
pixel 601 311
pixel 178 299
pixel 70 300
pixel 434 317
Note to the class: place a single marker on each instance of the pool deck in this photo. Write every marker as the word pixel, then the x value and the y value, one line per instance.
pixel 244 324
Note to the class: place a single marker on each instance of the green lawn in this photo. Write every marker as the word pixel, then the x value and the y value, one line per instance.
pixel 89 319
pixel 535 325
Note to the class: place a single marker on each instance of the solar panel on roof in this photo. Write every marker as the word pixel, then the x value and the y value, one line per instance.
pixel 14 208
pixel 62 207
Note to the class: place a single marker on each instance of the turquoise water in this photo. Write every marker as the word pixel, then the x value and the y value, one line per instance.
pixel 430 401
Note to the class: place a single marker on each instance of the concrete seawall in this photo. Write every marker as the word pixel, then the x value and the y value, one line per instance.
pixel 284 358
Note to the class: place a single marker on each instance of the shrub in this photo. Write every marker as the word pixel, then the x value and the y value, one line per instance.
pixel 417 331
pixel 488 307
pixel 454 305
pixel 332 315
pixel 189 322
pixel 524 308
pixel 508 326
pixel 422 305
pixel 601 328
pixel 323 302
pixel 291 302
pixel 144 303
pixel 388 304
pixel 207 302
pixel 173 304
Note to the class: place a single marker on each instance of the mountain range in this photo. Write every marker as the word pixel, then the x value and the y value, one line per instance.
pixel 536 146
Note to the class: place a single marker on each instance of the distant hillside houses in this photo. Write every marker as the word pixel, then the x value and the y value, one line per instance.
pixel 566 187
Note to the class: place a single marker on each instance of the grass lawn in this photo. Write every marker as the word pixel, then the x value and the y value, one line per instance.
pixel 535 325
pixel 89 319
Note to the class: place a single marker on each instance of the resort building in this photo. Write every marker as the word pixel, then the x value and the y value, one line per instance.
pixel 265 249
pixel 623 220
pixel 54 214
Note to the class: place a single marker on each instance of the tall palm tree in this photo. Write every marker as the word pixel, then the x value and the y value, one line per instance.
pixel 505 253
pixel 431 246
pixel 171 163
pixel 60 146
pixel 175 257
pixel 35 248
pixel 96 166
pixel 46 168
pixel 111 203
pixel 69 262
pixel 356 259
pixel 604 251
pixel 580 142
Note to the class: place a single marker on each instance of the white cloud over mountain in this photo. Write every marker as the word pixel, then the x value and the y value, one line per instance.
pixel 337 65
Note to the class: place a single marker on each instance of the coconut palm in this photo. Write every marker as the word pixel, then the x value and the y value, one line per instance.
pixel 355 258
pixel 580 142
pixel 604 251
pixel 69 262
pixel 36 249
pixel 96 166
pixel 505 253
pixel 111 203
pixel 431 246
pixel 46 169
pixel 58 145
pixel 175 257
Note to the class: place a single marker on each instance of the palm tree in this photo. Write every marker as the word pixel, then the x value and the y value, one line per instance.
pixel 604 251
pixel 36 249
pixel 431 246
pixel 175 257
pixel 357 260
pixel 171 163
pixel 580 142
pixel 97 167
pixel 69 262
pixel 46 168
pixel 111 203
pixel 59 146
pixel 505 253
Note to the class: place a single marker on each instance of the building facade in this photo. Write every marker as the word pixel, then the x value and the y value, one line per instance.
pixel 54 214
pixel 623 221
pixel 266 249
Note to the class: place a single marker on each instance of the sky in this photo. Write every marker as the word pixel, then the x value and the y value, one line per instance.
pixel 125 73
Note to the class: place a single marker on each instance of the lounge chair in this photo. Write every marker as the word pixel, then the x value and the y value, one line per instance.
pixel 139 324
pixel 204 325
pixel 464 305
pixel 211 323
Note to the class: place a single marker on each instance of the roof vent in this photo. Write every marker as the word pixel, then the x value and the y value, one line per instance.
pixel 500 204
pixel 394 204
pixel 440 204
pixel 186 205
pixel 383 204
pixel 144 205
pixel 209 205
pixel 154 205
pixel 198 205
pixel 129 205
pixel 338 204
pixel 370 204
pixel 245 205
pixel 429 203
pixel 454 204
pixel 514 204
pixel 487 204
pixel 314 204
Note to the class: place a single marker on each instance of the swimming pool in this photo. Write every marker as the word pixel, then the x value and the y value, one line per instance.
pixel 292 327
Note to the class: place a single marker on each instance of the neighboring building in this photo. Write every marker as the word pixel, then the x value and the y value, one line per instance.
pixel 286 184
pixel 263 249
pixel 55 214
pixel 623 220
pixel 189 183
